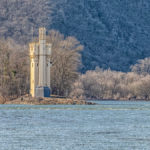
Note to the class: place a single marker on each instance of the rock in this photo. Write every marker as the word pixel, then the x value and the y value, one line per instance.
pixel 2 100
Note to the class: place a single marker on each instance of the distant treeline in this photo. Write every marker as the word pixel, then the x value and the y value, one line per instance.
pixel 107 84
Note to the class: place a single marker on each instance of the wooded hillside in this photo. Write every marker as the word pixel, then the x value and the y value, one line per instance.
pixel 115 34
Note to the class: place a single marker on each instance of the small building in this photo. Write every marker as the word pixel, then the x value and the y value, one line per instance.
pixel 40 53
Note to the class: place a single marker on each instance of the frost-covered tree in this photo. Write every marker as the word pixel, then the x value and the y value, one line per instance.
pixel 14 69
pixel 107 84
pixel 142 66
pixel 66 59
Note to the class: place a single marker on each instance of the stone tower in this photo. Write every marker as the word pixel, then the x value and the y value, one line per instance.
pixel 40 53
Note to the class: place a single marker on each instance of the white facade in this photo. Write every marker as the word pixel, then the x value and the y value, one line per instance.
pixel 40 53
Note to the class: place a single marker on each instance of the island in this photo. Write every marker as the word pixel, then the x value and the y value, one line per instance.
pixel 28 100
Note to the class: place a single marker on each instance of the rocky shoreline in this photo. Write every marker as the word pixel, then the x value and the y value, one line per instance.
pixel 27 100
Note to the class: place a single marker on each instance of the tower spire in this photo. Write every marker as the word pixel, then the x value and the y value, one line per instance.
pixel 42 33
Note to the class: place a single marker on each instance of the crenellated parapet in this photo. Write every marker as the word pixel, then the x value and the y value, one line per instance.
pixel 34 50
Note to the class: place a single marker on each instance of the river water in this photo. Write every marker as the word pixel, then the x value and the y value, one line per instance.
pixel 111 125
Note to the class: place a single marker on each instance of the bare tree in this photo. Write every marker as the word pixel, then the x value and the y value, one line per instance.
pixel 14 72
pixel 65 62
pixel 142 66
pixel 107 84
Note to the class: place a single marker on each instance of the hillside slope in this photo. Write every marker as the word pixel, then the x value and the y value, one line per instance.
pixel 114 33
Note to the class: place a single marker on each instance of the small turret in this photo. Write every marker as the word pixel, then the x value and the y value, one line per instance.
pixel 42 34
pixel 34 51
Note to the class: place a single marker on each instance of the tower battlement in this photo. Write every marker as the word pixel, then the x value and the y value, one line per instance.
pixel 42 34
pixel 34 49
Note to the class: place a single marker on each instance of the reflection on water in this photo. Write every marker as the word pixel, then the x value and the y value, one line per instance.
pixel 111 125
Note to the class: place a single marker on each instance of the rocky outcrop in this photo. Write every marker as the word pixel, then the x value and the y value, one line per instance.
pixel 2 100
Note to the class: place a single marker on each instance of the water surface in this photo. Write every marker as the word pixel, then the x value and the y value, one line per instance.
pixel 111 125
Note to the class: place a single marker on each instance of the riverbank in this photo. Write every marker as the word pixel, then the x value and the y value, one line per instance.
pixel 121 99
pixel 27 100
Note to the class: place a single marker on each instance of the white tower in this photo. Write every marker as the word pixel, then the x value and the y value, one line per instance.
pixel 40 53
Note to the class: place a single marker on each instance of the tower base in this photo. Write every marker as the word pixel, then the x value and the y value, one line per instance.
pixel 42 91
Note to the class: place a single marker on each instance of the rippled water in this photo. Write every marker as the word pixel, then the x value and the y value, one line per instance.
pixel 111 125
